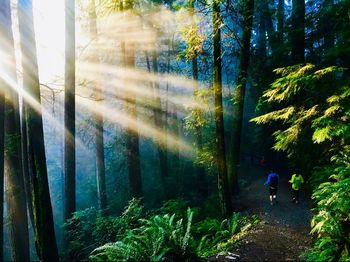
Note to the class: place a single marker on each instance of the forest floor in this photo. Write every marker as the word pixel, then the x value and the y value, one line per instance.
pixel 283 233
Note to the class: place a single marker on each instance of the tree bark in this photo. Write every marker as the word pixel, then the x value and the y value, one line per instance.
pixel 40 195
pixel 132 134
pixel 2 166
pixel 15 186
pixel 25 164
pixel 280 20
pixel 160 126
pixel 279 53
pixel 98 119
pixel 69 110
pixel 132 138
pixel 225 199
pixel 265 25
pixel 297 34
pixel 240 94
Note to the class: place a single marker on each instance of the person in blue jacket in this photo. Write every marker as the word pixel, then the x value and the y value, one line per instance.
pixel 272 181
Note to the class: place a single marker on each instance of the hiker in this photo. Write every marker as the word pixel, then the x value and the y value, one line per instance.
pixel 296 181
pixel 272 181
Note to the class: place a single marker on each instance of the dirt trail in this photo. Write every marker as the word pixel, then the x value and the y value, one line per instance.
pixel 284 231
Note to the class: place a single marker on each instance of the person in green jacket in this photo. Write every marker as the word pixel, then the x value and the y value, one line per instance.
pixel 297 180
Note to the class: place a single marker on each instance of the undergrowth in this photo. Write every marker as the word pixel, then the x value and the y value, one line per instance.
pixel 174 232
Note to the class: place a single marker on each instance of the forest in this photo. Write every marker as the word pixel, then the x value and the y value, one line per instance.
pixel 175 130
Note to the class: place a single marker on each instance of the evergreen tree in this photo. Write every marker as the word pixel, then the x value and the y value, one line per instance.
pixel 39 187
pixel 98 117
pixel 160 124
pixel 239 95
pixel 15 184
pixel 132 133
pixel 2 150
pixel 69 111
pixel 225 199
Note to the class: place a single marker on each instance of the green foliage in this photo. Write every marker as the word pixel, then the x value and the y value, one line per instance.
pixel 87 229
pixel 331 222
pixel 78 229
pixel 311 112
pixel 194 40
pixel 217 236
pixel 176 237
pixel 200 121
pixel 312 107
pixel 197 117
pixel 157 237
pixel 177 206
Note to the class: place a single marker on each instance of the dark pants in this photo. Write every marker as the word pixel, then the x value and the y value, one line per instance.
pixel 295 195
pixel 272 190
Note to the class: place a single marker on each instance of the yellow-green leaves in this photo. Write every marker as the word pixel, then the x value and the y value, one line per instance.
pixel 312 105
pixel 283 114
pixel 294 79
pixel 320 135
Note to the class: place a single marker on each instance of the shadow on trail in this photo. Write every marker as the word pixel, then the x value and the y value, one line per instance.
pixel 284 231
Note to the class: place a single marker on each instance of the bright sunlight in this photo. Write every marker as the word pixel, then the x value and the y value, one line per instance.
pixel 174 130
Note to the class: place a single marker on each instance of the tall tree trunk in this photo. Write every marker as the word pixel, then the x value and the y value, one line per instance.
pixel 25 164
pixel 280 20
pixel 15 185
pixel 266 26
pixel 40 195
pixel 240 94
pixel 2 166
pixel 98 117
pixel 225 199
pixel 159 123
pixel 132 134
pixel 278 54
pixel 69 110
pixel 298 31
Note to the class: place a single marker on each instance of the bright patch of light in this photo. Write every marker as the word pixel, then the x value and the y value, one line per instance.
pixel 50 37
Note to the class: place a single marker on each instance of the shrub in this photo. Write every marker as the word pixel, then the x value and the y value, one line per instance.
pixel 158 236
pixel 174 237
pixel 87 229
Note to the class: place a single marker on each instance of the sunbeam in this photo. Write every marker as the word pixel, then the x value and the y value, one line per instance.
pixel 144 129
pixel 114 86
pixel 181 83
pixel 37 106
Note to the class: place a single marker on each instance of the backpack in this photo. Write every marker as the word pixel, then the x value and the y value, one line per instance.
pixel 274 181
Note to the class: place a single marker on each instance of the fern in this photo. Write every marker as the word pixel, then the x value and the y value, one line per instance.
pixel 171 237
pixel 157 236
